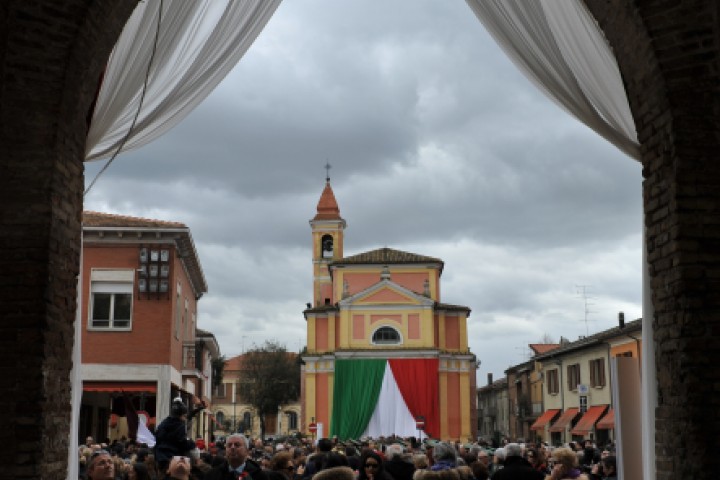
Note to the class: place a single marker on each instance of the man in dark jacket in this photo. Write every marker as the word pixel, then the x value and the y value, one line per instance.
pixel 238 464
pixel 171 436
pixel 396 465
pixel 516 467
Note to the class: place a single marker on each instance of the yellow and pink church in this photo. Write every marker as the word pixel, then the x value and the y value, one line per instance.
pixel 383 352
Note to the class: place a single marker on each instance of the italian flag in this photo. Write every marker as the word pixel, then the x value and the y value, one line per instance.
pixel 384 397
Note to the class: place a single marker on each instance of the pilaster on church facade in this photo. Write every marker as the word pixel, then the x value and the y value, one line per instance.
pixel 378 332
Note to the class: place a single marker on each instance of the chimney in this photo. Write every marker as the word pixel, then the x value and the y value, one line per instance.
pixel 489 378
pixel 621 320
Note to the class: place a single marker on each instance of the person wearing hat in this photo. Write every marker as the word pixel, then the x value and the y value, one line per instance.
pixel 171 436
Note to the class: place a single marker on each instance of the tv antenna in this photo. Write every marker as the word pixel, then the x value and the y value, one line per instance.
pixel 582 291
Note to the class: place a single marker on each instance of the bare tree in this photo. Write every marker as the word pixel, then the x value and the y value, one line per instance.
pixel 546 339
pixel 269 377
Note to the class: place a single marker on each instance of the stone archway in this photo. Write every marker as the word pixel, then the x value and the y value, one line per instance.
pixel 669 56
pixel 51 55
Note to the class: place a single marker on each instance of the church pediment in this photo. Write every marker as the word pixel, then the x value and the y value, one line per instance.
pixel 386 292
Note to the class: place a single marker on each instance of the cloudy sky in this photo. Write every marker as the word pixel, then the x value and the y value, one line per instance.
pixel 438 145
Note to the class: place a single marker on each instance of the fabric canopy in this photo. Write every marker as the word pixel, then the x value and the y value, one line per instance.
pixel 560 47
pixel 544 419
pixel 607 422
pixel 564 420
pixel 588 420
pixel 168 59
pixel 381 398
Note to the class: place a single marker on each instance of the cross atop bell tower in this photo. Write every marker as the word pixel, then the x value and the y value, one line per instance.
pixel 327 236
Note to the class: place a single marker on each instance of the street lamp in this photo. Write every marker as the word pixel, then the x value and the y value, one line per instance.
pixel 234 402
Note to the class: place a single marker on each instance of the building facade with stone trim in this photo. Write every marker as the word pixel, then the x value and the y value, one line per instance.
pixel 232 414
pixel 383 304
pixel 141 281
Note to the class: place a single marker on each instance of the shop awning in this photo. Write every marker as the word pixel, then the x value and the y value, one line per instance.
pixel 544 419
pixel 588 420
pixel 564 420
pixel 146 387
pixel 608 421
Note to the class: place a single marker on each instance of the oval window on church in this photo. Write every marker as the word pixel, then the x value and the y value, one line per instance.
pixel 386 336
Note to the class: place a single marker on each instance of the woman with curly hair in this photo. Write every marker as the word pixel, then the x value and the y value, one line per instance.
pixel 565 466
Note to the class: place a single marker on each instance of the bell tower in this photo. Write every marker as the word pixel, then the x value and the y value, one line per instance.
pixel 327 237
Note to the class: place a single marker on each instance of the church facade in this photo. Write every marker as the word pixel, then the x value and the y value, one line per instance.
pixel 383 352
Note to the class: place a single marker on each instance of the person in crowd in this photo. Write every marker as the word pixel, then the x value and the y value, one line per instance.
pixel 447 474
pixel 606 469
pixel 202 465
pixel 85 454
pixel 171 436
pixel 590 455
pixel 316 460
pixel 565 466
pixel 371 467
pixel 258 450
pixel 465 472
pixel 480 471
pixel 179 468
pixel 420 461
pixel 353 458
pixel 138 471
pixel 516 467
pixel 484 458
pixel 101 466
pixel 238 464
pixel 395 463
pixel 498 461
pixel 444 457
pixel 609 465
pixel 536 457
pixel 281 467
pixel 335 473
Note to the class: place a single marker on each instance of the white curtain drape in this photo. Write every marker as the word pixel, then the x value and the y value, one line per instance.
pixel 198 43
pixel 559 46
pixel 391 415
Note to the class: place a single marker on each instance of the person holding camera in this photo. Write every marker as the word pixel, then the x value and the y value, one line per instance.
pixel 171 435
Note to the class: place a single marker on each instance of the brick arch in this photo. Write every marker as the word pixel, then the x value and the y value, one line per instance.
pixel 669 56
pixel 51 55
pixel 51 58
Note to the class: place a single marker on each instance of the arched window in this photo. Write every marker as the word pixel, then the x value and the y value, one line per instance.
pixel 247 421
pixel 292 421
pixel 220 418
pixel 386 336
pixel 327 246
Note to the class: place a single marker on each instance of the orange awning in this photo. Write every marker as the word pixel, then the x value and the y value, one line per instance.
pixel 564 419
pixel 588 420
pixel 119 387
pixel 544 419
pixel 608 421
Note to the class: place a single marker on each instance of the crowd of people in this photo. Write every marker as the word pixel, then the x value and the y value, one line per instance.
pixel 237 457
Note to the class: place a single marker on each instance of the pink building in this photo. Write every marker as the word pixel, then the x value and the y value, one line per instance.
pixel 383 351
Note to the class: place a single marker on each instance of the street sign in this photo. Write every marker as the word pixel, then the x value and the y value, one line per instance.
pixel 420 423
pixel 312 427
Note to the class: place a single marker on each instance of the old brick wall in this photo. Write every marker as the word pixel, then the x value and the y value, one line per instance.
pixel 669 55
pixel 51 56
